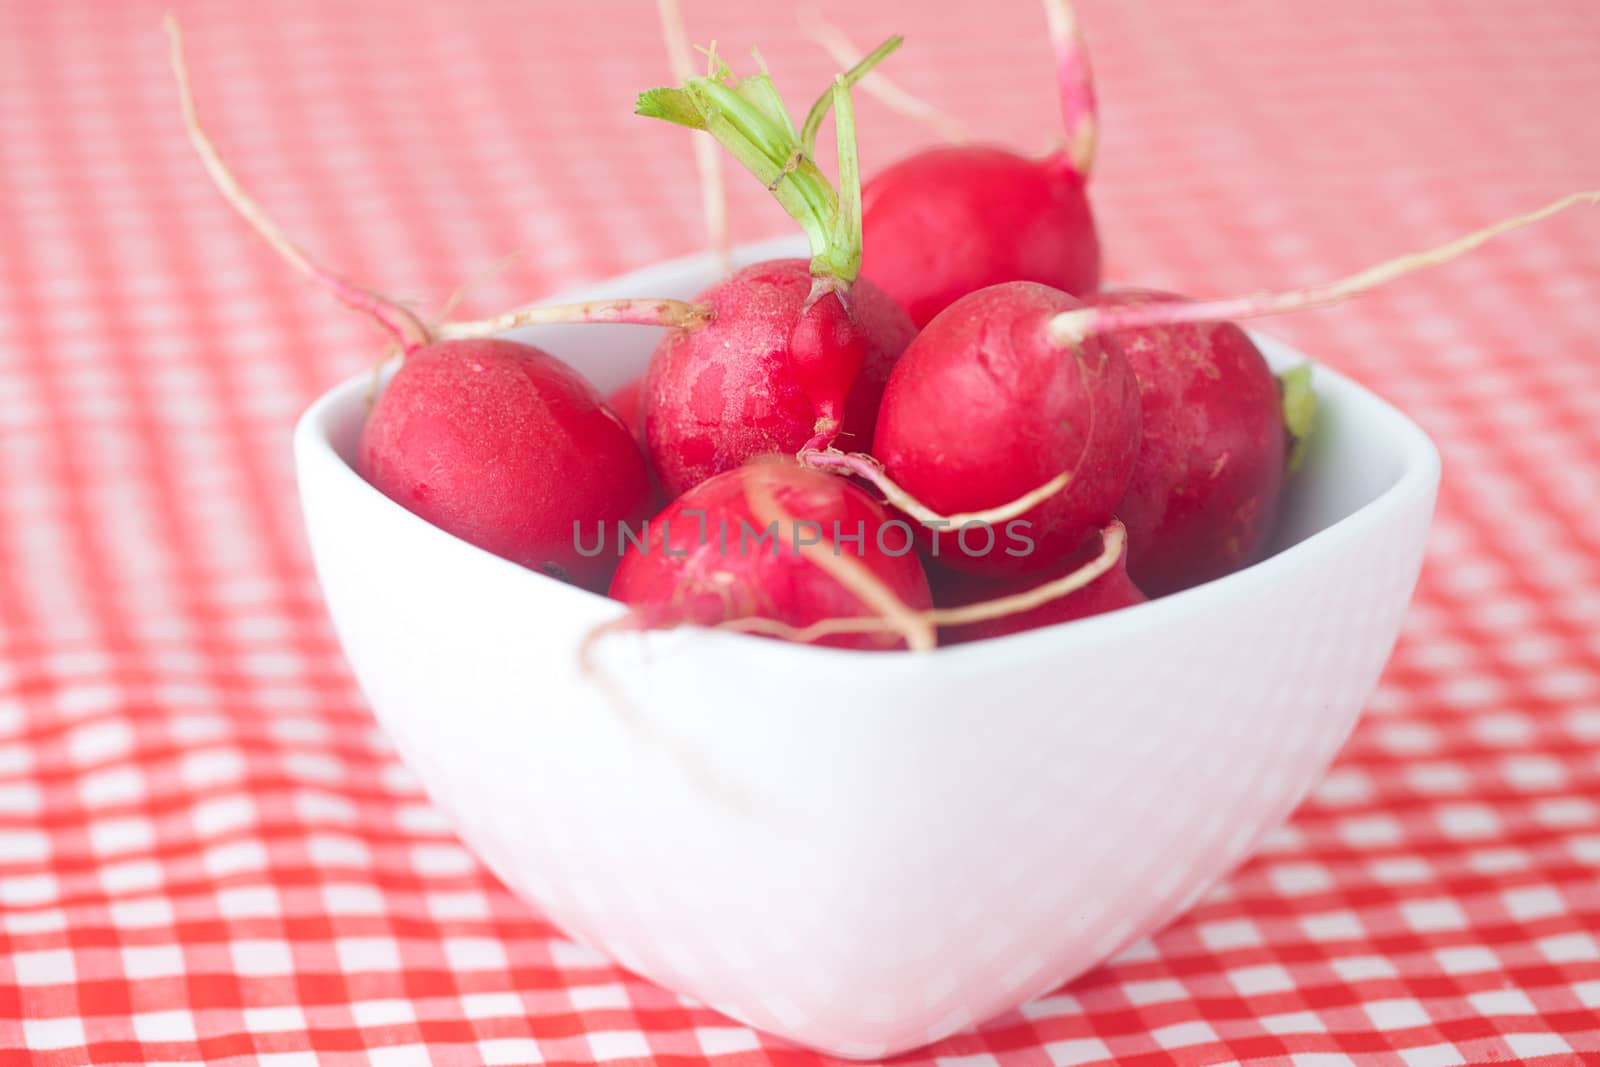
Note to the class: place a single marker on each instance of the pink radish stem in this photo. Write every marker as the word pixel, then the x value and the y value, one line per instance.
pixel 405 327
pixel 1079 111
pixel 707 161
pixel 1071 327
pixel 1112 540
pixel 869 469
pixel 641 312
pixel 844 52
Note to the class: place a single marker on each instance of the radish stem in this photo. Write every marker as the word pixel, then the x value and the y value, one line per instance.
pixel 645 312
pixel 868 468
pixel 713 195
pixel 1113 539
pixel 1070 328
pixel 819 110
pixel 402 324
pixel 847 221
pixel 844 52
pixel 1079 110
pixel 893 615
pixel 747 117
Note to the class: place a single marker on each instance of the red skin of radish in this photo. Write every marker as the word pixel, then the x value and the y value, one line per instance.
pixel 950 221
pixel 1203 497
pixel 625 402
pixel 1109 592
pixel 706 585
pixel 729 391
pixel 983 408
pixel 505 446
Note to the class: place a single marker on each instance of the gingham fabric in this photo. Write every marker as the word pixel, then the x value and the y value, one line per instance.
pixel 209 852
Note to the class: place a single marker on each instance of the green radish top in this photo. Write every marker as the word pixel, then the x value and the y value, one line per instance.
pixel 1299 411
pixel 747 117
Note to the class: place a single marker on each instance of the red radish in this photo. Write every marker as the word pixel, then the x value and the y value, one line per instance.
pixel 507 447
pixel 952 220
pixel 712 558
pixel 984 407
pixel 717 396
pixel 731 553
pixel 972 415
pixel 1203 497
pixel 775 367
pixel 1111 591
pixel 496 442
pixel 1219 432
pixel 625 402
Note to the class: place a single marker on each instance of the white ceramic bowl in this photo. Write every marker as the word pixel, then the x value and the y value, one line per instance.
pixel 865 852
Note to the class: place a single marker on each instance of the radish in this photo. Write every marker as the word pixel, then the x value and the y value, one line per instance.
pixel 775 542
pixel 1203 496
pixel 951 220
pixel 983 404
pixel 508 448
pixel 985 408
pixel 954 219
pixel 1111 591
pixel 625 402
pixel 735 553
pixel 774 368
pixel 498 443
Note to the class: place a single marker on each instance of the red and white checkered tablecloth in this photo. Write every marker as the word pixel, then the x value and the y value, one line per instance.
pixel 209 852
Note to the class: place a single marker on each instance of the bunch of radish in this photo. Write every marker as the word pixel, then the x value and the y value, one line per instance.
pixel 939 428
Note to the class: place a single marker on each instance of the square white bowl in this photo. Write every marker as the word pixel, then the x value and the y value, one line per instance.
pixel 865 852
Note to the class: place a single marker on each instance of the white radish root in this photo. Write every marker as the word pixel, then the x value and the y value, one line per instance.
pixel 892 612
pixel 707 160
pixel 1113 539
pixel 403 325
pixel 871 470
pixel 844 52
pixel 1071 328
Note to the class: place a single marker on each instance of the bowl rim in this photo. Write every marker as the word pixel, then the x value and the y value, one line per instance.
pixel 1418 476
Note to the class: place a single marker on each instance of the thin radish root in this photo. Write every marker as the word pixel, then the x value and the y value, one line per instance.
pixel 844 52
pixel 641 312
pixel 1070 328
pixel 737 796
pixel 707 160
pixel 481 277
pixel 869 469
pixel 1113 539
pixel 398 321
pixel 446 309
pixel 892 612
pixel 633 621
pixel 1079 110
